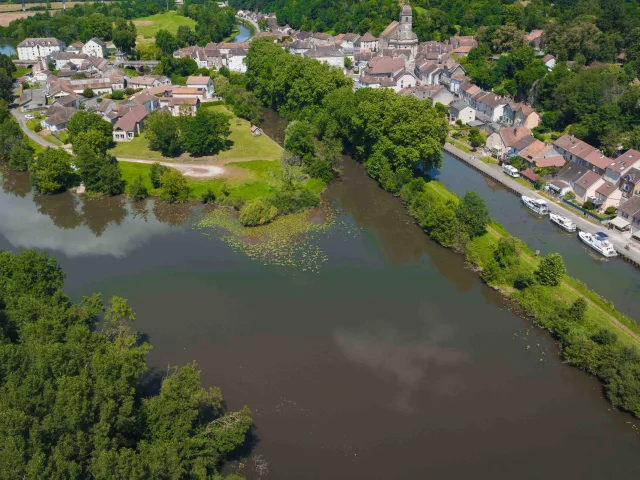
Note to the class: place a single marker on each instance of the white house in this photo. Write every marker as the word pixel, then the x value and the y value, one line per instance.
pixel 327 54
pixel 368 42
pixel 202 82
pixel 235 60
pixel 95 48
pixel 35 48
pixel 549 61
pixel 459 110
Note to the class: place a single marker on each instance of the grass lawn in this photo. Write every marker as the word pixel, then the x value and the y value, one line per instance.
pixel 20 72
pixel 459 145
pixel 149 26
pixel 245 146
pixel 32 124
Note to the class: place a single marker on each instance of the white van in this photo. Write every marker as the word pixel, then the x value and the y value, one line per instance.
pixel 511 171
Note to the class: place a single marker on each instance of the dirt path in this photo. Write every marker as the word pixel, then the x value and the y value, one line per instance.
pixel 193 171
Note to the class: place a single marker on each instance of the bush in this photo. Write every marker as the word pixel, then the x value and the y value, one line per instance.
pixel 604 337
pixel 38 128
pixel 256 213
pixel 610 210
pixel 588 205
pixel 570 195
pixel 174 187
pixel 138 190
pixel 117 95
pixel 295 200
pixel 577 310
pixel 551 270
pixel 524 281
pixel 234 202
pixel 129 91
pixel 88 93
pixel 155 174
pixel 208 196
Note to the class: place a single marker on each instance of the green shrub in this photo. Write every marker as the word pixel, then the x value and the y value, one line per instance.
pixel 295 200
pixel 588 205
pixel 551 270
pixel 155 174
pixel 524 280
pixel 117 95
pixel 174 187
pixel 208 196
pixel 37 128
pixel 256 213
pixel 138 190
pixel 604 337
pixel 610 210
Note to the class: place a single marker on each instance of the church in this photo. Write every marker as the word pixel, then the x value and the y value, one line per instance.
pixel 399 35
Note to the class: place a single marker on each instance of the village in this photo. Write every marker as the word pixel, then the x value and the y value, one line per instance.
pixel 91 76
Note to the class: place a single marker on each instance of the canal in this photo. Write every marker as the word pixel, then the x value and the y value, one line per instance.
pixel 614 279
pixel 243 36
pixel 392 361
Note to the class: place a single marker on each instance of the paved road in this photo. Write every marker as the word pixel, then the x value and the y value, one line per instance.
pixel 31 134
pixel 618 240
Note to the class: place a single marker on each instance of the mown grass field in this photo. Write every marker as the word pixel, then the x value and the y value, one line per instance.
pixel 245 146
pixel 147 27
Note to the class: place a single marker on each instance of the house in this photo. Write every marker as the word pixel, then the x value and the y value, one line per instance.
pixel 368 42
pixel 549 61
pixel 95 48
pixel 365 81
pixel 491 105
pixel 147 81
pixel 32 99
pixel 508 141
pixel 629 212
pixel 67 59
pixel 437 93
pixel 57 118
pixel 129 125
pixel 404 79
pixel 235 60
pixel 459 110
pixel 585 187
pixel 328 54
pixel 529 175
pixel 618 168
pixel 187 92
pixel 467 91
pixel 534 38
pixel 75 47
pixel 72 100
pixel 575 150
pixel 183 106
pixel 300 47
pixel 319 38
pixel 524 116
pixel 540 154
pixel 428 72
pixel 255 131
pixel 148 101
pixel 630 182
pixel 35 48
pixel 202 82
pixel 607 195
pixel 384 67
pixel 347 42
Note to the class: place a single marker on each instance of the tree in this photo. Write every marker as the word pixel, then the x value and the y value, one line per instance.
pixel 578 310
pixel 256 213
pixel 473 213
pixel 221 85
pixel 299 138
pixel 10 135
pixel 476 138
pixel 117 95
pixel 163 132
pixel 166 42
pixel 208 196
pixel 186 36
pixel 551 270
pixel 52 173
pixel 88 93
pixel 96 139
pixel 155 174
pixel 21 156
pixel 99 172
pixel 174 188
pixel 83 121
pixel 6 85
pixel 124 35
pixel 137 190
pixel 206 133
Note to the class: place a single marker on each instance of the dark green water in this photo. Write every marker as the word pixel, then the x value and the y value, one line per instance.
pixel 392 362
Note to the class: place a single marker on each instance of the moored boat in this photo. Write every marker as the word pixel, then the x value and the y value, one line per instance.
pixel 599 241
pixel 563 222
pixel 537 205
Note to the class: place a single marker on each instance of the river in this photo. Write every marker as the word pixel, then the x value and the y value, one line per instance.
pixel 6 47
pixel 243 36
pixel 392 362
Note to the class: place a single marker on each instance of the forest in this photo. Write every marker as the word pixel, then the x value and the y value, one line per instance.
pixel 77 399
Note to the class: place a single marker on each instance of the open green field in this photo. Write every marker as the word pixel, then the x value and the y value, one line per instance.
pixel 149 26
pixel 258 182
pixel 245 146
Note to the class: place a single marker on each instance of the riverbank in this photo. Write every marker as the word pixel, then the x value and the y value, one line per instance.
pixel 620 242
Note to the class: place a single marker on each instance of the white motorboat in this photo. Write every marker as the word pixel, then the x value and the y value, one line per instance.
pixel 563 222
pixel 538 206
pixel 599 241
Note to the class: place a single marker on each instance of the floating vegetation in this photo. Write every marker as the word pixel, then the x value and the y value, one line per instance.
pixel 289 241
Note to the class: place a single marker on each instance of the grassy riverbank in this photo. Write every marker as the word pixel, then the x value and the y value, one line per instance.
pixel 594 337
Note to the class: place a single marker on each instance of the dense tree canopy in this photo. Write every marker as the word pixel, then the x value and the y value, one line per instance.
pixel 72 401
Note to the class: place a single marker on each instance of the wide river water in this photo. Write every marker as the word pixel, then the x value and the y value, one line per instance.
pixel 392 361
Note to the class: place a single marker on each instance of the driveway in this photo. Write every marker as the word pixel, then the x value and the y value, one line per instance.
pixel 31 134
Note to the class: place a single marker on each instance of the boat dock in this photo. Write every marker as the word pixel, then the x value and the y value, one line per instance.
pixel 631 255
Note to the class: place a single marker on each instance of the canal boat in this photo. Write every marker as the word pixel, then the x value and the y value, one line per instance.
pixel 563 222
pixel 538 206
pixel 599 241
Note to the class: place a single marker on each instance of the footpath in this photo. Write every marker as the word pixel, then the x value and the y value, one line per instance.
pixel 618 240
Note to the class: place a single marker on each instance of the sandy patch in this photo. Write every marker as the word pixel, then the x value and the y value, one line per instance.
pixel 143 23
pixel 193 171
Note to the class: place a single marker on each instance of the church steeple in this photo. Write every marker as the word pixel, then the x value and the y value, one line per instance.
pixel 406 20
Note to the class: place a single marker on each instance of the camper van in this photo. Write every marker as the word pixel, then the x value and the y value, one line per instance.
pixel 511 171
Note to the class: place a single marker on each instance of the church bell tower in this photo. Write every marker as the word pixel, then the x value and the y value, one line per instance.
pixel 406 21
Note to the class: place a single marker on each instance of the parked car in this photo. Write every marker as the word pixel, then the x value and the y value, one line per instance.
pixel 28 116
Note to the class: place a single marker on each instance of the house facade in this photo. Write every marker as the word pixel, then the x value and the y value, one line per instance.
pixel 95 48
pixel 35 48
pixel 202 82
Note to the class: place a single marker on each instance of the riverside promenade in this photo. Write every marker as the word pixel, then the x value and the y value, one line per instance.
pixel 619 240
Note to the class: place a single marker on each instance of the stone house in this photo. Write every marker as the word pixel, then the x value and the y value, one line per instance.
pixel 95 48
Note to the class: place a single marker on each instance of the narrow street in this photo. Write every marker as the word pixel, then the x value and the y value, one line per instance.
pixel 618 240
pixel 31 134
